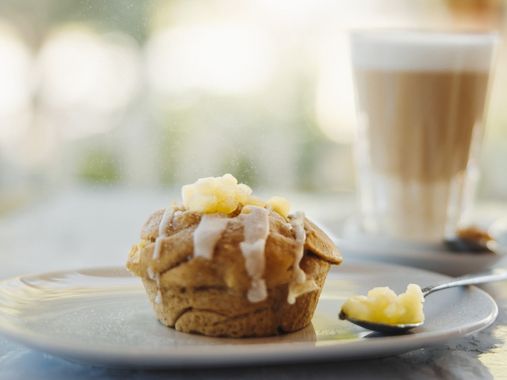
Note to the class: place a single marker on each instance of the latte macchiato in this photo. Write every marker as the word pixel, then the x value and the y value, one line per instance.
pixel 421 99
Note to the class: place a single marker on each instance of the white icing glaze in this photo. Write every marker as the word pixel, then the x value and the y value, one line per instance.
pixel 207 234
pixel 151 273
pixel 256 231
pixel 298 223
pixel 296 286
pixel 257 291
pixel 162 232
pixel 158 297
pixel 297 289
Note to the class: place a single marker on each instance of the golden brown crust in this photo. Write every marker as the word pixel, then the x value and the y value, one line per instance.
pixel 320 244
pixel 209 296
pixel 221 311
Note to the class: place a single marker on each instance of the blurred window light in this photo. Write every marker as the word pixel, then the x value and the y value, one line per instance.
pixel 218 58
pixel 293 10
pixel 15 72
pixel 79 68
pixel 15 91
pixel 335 108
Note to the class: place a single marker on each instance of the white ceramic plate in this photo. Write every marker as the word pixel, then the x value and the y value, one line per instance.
pixel 431 256
pixel 101 316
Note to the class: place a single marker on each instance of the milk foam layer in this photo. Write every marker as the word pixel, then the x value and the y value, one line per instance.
pixel 432 51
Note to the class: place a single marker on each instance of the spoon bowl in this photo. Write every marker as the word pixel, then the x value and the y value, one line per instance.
pixel 394 329
pixel 381 327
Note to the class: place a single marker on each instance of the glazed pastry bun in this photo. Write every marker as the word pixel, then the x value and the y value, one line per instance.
pixel 225 263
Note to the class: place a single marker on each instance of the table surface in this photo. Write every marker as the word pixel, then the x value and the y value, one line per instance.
pixel 94 227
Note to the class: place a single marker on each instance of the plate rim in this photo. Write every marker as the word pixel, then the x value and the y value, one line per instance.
pixel 427 258
pixel 350 237
pixel 231 355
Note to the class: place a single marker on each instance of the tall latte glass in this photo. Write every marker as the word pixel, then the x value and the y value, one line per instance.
pixel 421 99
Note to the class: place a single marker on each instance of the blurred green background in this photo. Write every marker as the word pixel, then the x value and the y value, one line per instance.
pixel 153 94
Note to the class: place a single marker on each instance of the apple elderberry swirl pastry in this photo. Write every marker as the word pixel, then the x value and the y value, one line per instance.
pixel 228 264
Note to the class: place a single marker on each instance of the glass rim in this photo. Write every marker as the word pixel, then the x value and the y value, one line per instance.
pixel 410 35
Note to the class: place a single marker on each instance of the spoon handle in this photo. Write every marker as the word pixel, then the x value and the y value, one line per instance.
pixel 490 276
